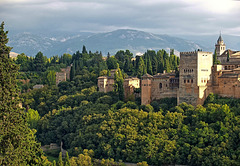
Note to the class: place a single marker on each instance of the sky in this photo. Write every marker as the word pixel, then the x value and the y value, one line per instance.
pixel 184 17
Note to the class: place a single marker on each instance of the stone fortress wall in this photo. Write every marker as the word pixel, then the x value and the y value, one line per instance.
pixel 198 77
pixel 64 75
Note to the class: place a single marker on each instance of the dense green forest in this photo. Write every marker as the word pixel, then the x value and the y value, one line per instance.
pixel 99 128
pixel 75 113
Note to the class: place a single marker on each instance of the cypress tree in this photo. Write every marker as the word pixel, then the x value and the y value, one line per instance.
pixel 228 56
pixel 215 60
pixel 141 70
pixel 84 50
pixel 72 73
pixel 66 160
pixel 17 141
pixel 60 161
pixel 154 65
pixel 118 85
pixel 54 163
pixel 39 62
pixel 149 66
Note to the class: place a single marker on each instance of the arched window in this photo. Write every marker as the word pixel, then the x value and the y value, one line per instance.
pixel 160 85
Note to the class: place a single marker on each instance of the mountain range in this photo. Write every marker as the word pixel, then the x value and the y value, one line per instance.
pixel 58 43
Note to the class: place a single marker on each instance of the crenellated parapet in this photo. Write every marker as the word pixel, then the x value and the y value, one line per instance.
pixel 190 53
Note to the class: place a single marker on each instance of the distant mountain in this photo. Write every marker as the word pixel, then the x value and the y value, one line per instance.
pixel 133 40
pixel 209 41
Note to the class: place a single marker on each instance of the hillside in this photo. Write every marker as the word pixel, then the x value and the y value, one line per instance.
pixel 59 43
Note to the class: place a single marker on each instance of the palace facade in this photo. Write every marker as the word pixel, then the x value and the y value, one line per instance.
pixel 198 77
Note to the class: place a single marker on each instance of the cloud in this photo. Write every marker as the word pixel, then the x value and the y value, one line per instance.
pixel 157 16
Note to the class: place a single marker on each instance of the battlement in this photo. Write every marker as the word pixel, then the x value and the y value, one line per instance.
pixel 188 53
pixel 193 53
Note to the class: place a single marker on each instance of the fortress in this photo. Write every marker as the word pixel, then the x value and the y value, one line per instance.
pixel 198 77
pixel 64 75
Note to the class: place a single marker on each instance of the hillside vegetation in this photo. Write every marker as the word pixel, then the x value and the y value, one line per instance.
pixel 95 125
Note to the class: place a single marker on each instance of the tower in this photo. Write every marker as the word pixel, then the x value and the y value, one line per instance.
pixel 146 89
pixel 220 46
pixel 194 77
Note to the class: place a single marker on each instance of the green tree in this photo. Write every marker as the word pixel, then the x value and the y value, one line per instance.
pixel 215 60
pixel 54 163
pixel 60 160
pixel 141 70
pixel 65 59
pixel 17 142
pixel 144 163
pixel 66 160
pixel 39 62
pixel 84 50
pixel 149 66
pixel 33 118
pixel 118 83
pixel 112 63
pixel 24 61
pixel 228 56
pixel 51 78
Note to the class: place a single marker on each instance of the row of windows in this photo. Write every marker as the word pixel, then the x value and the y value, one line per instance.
pixel 146 84
pixel 231 67
pixel 188 81
pixel 204 80
pixel 222 48
pixel 174 80
pixel 161 85
pixel 188 70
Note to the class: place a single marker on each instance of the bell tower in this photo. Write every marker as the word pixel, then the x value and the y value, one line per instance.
pixel 220 46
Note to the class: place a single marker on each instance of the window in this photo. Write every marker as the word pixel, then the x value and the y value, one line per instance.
pixel 184 81
pixel 160 86
pixel 191 80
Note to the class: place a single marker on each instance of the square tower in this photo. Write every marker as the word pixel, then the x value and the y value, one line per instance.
pixel 146 86
pixel 195 77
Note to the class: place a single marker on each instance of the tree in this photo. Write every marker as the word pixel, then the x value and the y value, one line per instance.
pixel 215 60
pixel 39 62
pixel 72 72
pixel 24 62
pixel 33 118
pixel 112 63
pixel 66 160
pixel 60 161
pixel 141 69
pixel 228 56
pixel 54 163
pixel 144 163
pixel 118 85
pixel 84 50
pixel 17 142
pixel 149 66
pixel 51 77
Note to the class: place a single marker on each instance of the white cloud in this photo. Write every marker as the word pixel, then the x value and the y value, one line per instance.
pixel 157 16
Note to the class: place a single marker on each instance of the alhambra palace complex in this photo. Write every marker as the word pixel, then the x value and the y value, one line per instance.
pixel 197 78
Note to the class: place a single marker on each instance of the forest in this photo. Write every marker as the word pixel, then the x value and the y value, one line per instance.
pixel 97 128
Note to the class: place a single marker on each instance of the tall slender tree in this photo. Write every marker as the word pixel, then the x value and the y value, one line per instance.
pixel 17 141
pixel 118 85
pixel 215 60
pixel 228 56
